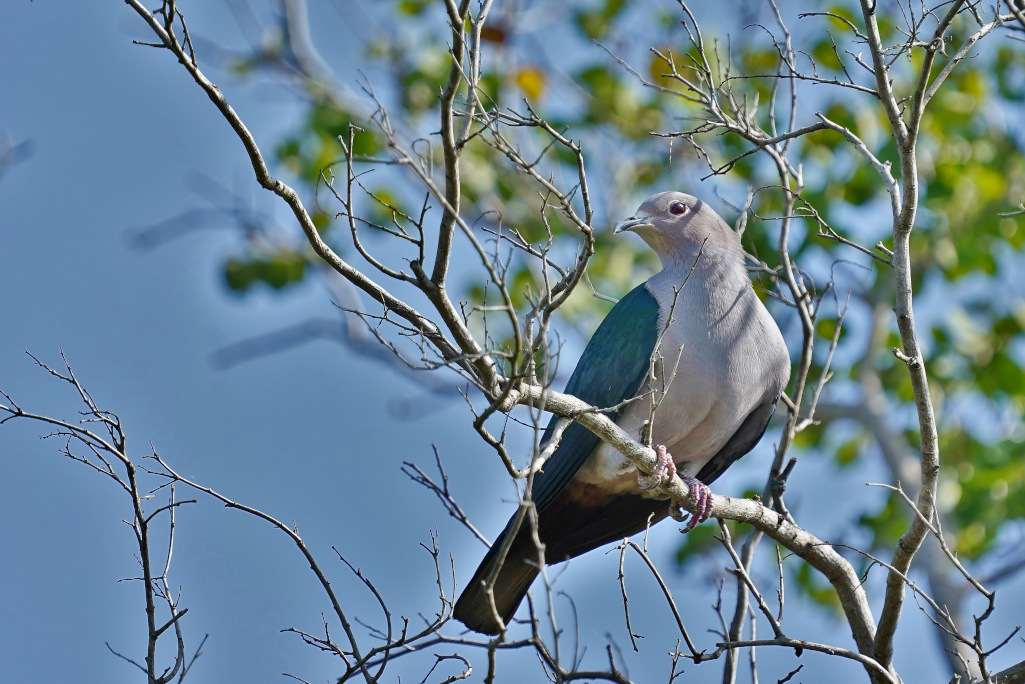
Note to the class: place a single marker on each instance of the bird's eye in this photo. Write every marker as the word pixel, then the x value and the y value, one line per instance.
pixel 677 208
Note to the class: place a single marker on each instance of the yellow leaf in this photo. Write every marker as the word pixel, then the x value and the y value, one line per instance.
pixel 531 81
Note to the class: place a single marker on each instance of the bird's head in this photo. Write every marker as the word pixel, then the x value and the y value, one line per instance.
pixel 677 226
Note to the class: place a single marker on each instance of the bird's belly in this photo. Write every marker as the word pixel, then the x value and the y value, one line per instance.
pixel 692 437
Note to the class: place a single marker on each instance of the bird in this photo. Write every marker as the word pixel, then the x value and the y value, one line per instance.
pixel 689 359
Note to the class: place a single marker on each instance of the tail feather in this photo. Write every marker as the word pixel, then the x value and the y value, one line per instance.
pixel 567 529
pixel 514 578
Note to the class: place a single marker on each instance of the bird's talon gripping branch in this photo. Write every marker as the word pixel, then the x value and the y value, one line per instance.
pixel 665 469
pixel 678 512
pixel 702 497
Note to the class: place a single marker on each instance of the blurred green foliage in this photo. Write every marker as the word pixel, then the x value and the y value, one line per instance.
pixel 279 269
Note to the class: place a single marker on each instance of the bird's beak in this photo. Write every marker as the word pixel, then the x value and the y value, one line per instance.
pixel 631 223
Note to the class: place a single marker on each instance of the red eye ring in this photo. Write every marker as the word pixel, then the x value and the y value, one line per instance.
pixel 677 208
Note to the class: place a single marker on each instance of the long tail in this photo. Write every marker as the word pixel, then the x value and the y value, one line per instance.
pixel 521 567
pixel 567 529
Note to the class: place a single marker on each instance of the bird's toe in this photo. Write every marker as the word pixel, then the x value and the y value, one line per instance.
pixel 665 469
pixel 702 497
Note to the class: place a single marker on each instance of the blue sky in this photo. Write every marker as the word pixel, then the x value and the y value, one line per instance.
pixel 119 136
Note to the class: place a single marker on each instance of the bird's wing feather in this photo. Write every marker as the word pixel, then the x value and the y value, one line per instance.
pixel 612 369
pixel 742 441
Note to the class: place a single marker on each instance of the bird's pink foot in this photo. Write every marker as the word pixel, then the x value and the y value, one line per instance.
pixel 665 469
pixel 701 495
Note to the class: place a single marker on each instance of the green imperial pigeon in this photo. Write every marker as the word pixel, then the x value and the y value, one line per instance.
pixel 700 357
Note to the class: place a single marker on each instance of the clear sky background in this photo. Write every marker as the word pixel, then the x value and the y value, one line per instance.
pixel 119 135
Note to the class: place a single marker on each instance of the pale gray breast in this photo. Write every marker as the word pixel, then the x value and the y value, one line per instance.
pixel 731 359
pixel 719 356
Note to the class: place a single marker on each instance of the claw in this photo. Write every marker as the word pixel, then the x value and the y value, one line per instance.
pixel 665 469
pixel 702 497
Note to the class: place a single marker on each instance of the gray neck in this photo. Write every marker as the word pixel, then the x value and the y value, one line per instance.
pixel 713 280
pixel 710 259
